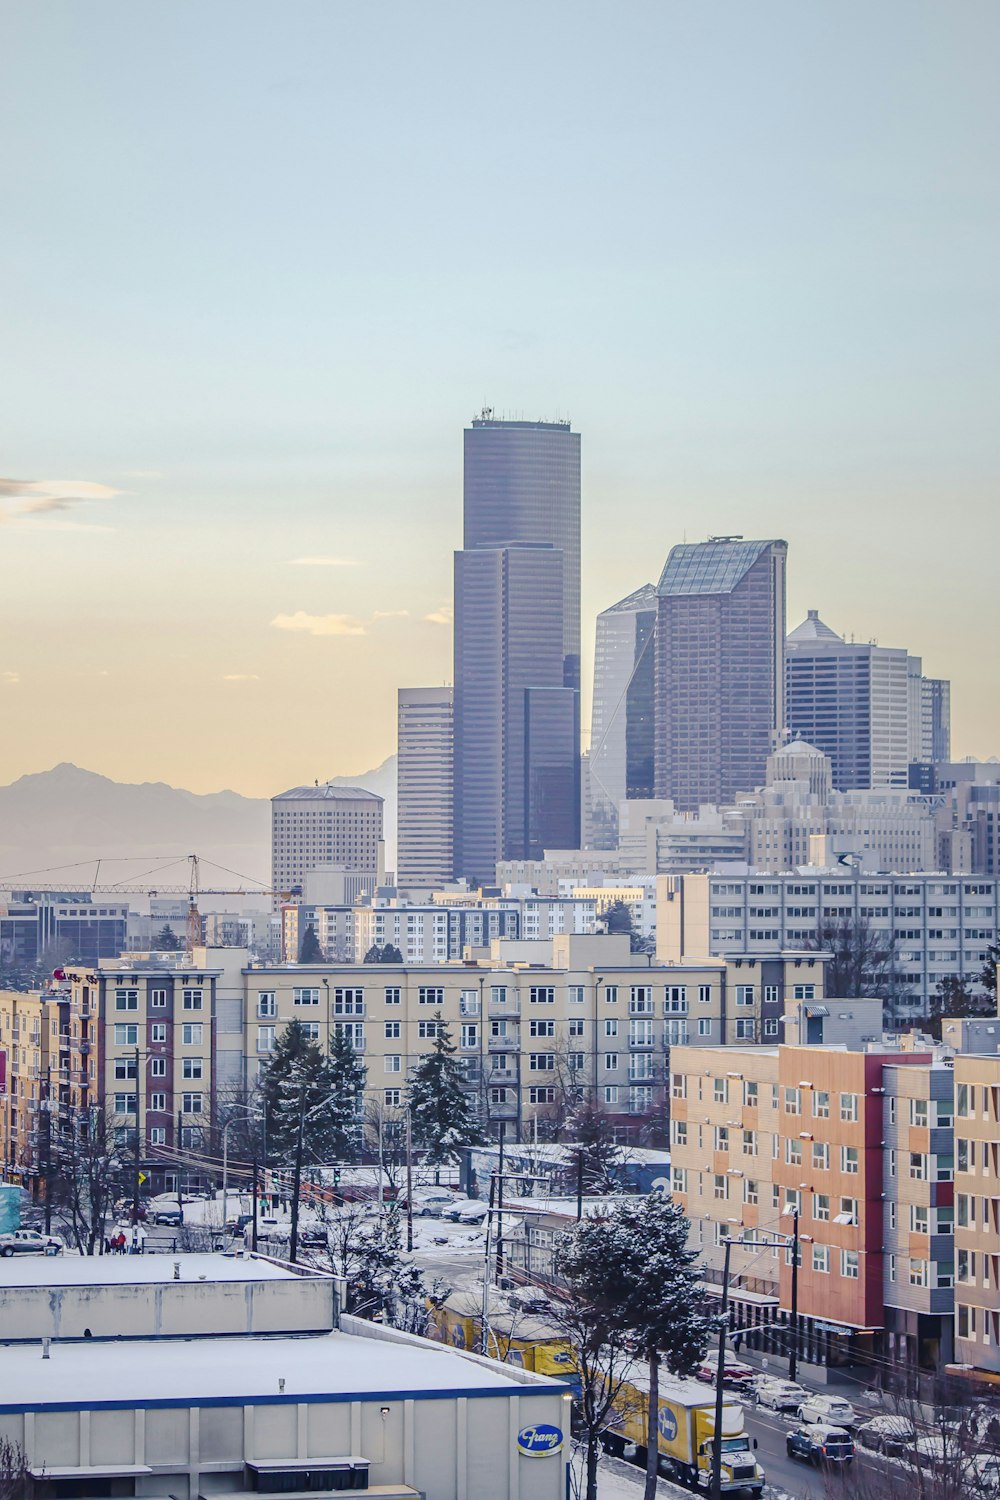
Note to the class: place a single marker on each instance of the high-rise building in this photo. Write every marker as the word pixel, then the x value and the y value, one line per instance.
pixel 720 632
pixel 622 743
pixel 851 700
pixel 317 826
pixel 517 645
pixel 424 780
pixel 929 714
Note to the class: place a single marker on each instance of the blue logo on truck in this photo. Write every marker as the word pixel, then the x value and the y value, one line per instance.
pixel 536 1442
pixel 667 1423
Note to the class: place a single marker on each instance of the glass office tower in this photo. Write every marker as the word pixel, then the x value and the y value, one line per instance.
pixel 622 742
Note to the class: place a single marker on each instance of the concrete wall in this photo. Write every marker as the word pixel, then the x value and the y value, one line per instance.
pixel 168 1308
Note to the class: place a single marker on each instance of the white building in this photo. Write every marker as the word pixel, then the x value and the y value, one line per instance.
pixel 316 826
pixel 424 780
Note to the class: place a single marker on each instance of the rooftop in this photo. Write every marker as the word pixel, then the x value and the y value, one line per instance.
pixel 642 598
pixel 713 567
pixel 813 629
pixel 132 1270
pixel 167 1372
pixel 328 793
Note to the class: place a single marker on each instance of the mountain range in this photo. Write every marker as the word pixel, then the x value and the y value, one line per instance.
pixel 55 826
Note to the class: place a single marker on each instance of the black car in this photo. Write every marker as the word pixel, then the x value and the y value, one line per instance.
pixel 827 1446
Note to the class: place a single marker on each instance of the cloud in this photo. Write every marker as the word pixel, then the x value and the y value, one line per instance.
pixel 9 679
pixel 443 616
pixel 320 624
pixel 240 677
pixel 41 497
pixel 322 562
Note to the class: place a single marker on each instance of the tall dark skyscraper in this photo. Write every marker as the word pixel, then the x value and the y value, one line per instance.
pixel 517 645
pixel 720 633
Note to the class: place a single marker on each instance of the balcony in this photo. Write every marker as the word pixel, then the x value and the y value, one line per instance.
pixel 503 1043
pixel 506 1111
pixel 637 1076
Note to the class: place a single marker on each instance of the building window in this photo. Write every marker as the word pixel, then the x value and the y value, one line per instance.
pixel 744 994
pixel 126 1035
pixel 749 1143
pixel 720 1185
pixel 803 992
pixel 611 1027
pixel 393 1097
pixel 428 1029
pixel 750 1191
pixel 348 1002
pixel 192 1000
pixel 704 994
pixel 392 1062
pixel 542 1062
pixel 611 1093
pixel 850 1265
pixel 611 1062
pixel 157 1067
pixel 392 1030
pixel 962 1101
pixel 576 1026
pixel 392 994
pixel 821 1258
pixel 575 1061
pixel 793 1102
pixel 678 1086
pixel 918 1273
pixel 821 1207
pixel 191 1067
pixel 158 1031
pixel 744 1028
pixel 191 1104
pixel 720 1090
pixel 157 1103
pixel 675 1000
pixel 541 1028
pixel 793 1153
pixel 125 1067
pixel 918 1166
pixel 126 999
pixel 499 1096
pixel 544 1095
pixel 770 1026
pixel 611 994
pixel 821 1155
pixel 704 1025
pixel 848 1211
pixel 469 1036
pixel 722 1137
pixel 542 994
pixel 158 999
pixel 430 994
pixel 157 1135
pixel 750 1093
pixel 353 1033
pixel 192 1033
pixel 498 996
pixel 265 1039
pixel 849 1107
pixel 576 994
pixel 679 1132
pixel 124 1104
pixel 918 1112
pixel 310 1030
pixel 267 1003
pixel 849 1161
pixel 966 1321
pixel 918 1218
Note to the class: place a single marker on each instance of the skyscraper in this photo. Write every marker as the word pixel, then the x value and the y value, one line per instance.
pixel 720 630
pixel 851 700
pixel 424 781
pixel 517 645
pixel 622 742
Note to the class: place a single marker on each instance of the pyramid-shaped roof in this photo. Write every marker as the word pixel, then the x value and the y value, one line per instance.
pixel 813 629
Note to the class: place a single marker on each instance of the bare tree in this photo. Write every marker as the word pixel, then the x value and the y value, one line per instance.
pixel 954 1457
pixel 88 1171
pixel 15 1476
pixel 862 962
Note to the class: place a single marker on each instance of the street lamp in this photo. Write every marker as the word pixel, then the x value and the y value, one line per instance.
pixel 245 1111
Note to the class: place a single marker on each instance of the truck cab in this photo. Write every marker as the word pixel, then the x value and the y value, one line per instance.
pixel 739 1467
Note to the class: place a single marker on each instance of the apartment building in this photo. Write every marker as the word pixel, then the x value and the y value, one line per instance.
pixel 938 926
pixel 26 1051
pixel 977 1213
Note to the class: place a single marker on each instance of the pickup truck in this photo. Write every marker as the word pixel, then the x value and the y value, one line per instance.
pixel 30 1242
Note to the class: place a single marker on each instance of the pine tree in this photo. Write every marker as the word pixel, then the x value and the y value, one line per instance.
pixel 389 954
pixel 310 951
pixel 443 1118
pixel 597 1155
pixel 167 940
pixel 384 1282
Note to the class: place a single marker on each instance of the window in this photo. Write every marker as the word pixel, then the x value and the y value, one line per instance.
pixel 190 1135
pixel 191 1067
pixel 821 1258
pixel 721 1185
pixel 499 1096
pixel 793 1102
pixel 546 1095
pixel 720 1090
pixel 966 1321
pixel 849 1106
pixel 918 1273
pixel 744 994
pixel 890 1267
pixel 611 1093
pixel 675 1000
pixel 640 1033
pixel 848 1211
pixel 469 1036
pixel 849 1160
pixel 750 1191
pixel 918 1166
pixel 744 1028
pixel 265 1038
pixel 191 1104
pixel 267 1003
pixel 541 1028
pixel 575 994
pixel 850 1264
pixel 310 1030
pixel 192 1000
pixel 126 1035
pixel 542 1062
pixel 158 1031
pixel 349 1002
pixel 962 1154
pixel 965 1211
pixel 125 1067
pixel 393 1097
pixel 821 1207
pixel 428 1029
pixel 641 1000
pixel 704 1026
pixel 430 994
pixel 749 1143
pixel 353 1033
pixel 793 1153
pixel 962 1101
pixel 611 1062
pixel 157 999
pixel 124 1104
pixel 192 1033
pixel 821 1155
pixel 611 994
pixel 157 1135
pixel 392 994
pixel 392 1063
pixel 679 1131
pixel 126 999
pixel 611 1027
pixel 704 994
pixel 770 1026
pixel 803 992
pixel 678 1180
pixel 918 1218
pixel 750 1091
pixel 542 994
pixel 722 1138
pixel 392 1030
pixel 918 1112
pixel 575 1062
pixel 157 1103
pixel 678 1086
pixel 576 1026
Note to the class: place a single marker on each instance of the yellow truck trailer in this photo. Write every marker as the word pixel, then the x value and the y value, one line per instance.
pixel 686 1427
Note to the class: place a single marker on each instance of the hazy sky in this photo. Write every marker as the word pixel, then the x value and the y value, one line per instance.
pixel 261 262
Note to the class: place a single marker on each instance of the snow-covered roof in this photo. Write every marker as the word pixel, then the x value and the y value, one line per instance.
pixel 325 1367
pixel 133 1270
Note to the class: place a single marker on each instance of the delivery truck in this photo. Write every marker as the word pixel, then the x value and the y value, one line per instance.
pixel 686 1428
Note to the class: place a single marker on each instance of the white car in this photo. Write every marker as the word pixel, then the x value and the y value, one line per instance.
pixel 458 1207
pixel 828 1411
pixel 780 1395
pixel 473 1213
pixel 30 1242
pixel 432 1205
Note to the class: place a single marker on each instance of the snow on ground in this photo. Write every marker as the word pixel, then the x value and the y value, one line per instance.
pixel 83 1270
pixel 619 1480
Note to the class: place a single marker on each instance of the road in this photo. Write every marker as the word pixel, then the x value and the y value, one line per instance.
pixel 788 1476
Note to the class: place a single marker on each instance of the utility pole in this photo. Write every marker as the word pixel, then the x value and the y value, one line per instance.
pixel 793 1358
pixel 484 1348
pixel 253 1233
pixel 137 1155
pixel 293 1242
pixel 409 1182
pixel 716 1487
pixel 579 1186
pixel 180 1190
pixel 503 1131
pixel 48 1152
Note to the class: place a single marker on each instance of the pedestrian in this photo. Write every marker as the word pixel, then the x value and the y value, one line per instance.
pixel 107 1244
pixel 120 1242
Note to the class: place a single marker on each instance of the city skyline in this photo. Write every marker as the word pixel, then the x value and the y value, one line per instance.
pixel 753 257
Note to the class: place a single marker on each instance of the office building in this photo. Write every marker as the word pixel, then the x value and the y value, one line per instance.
pixel 720 630
pixel 852 701
pixel 425 786
pixel 517 646
pixel 56 926
pixel 622 735
pixel 929 927
pixel 929 711
pixel 313 827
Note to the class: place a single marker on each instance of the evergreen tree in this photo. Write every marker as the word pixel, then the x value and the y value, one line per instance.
pixel 167 940
pixel 597 1156
pixel 310 951
pixel 384 1282
pixel 442 1115
pixel 389 954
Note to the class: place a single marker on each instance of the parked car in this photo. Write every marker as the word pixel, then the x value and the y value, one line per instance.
pixel 734 1372
pixel 30 1242
pixel 314 1238
pixel 887 1434
pixel 458 1206
pixel 163 1213
pixel 780 1395
pixel 833 1410
pixel 473 1213
pixel 432 1204
pixel 819 1444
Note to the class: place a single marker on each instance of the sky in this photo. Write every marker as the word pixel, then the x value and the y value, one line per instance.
pixel 261 263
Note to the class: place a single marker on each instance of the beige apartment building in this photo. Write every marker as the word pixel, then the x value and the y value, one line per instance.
pixel 26 1051
pixel 977 1213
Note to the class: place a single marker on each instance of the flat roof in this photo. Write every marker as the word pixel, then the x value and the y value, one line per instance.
pixel 237 1371
pixel 132 1270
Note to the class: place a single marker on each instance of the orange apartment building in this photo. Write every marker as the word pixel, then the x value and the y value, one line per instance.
pixel 977 1214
